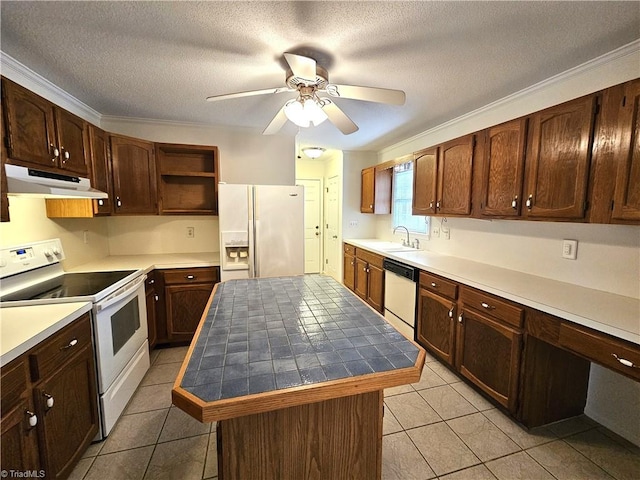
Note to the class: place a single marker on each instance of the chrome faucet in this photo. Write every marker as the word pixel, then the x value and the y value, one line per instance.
pixel 408 244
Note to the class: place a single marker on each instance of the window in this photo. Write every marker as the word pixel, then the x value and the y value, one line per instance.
pixel 402 196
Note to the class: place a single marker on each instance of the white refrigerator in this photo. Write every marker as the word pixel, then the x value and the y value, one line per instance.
pixel 261 230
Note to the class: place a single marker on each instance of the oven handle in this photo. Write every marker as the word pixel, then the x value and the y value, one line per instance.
pixel 118 295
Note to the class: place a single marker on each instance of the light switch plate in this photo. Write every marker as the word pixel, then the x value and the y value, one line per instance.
pixel 570 249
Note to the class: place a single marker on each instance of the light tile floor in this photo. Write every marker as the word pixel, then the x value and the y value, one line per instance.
pixel 438 427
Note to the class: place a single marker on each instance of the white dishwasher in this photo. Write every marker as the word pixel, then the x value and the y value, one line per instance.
pixel 400 296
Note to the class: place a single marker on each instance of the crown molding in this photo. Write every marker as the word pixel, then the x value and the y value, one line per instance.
pixel 598 63
pixel 17 72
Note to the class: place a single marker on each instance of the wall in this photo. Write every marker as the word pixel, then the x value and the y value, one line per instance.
pixel 29 223
pixel 608 255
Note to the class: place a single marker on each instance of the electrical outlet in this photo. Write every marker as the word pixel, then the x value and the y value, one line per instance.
pixel 85 236
pixel 570 249
pixel 191 232
pixel 353 223
pixel 446 233
pixel 435 232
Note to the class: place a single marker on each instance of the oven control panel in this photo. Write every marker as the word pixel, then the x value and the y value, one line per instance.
pixel 29 256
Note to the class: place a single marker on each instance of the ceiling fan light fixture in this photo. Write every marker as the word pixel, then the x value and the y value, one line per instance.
pixel 313 152
pixel 304 112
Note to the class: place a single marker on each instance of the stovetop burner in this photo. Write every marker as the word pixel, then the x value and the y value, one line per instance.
pixel 69 285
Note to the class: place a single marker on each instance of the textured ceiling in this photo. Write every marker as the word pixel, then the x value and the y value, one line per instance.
pixel 159 60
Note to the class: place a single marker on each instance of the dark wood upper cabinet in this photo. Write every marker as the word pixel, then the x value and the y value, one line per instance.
pixel 100 169
pixel 134 176
pixel 455 169
pixel 187 179
pixel 4 200
pixel 503 169
pixel 558 157
pixel 41 135
pixel 425 181
pixel 375 196
pixel 626 206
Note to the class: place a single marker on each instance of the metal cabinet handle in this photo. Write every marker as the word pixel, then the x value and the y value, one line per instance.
pixel 434 284
pixel 438 204
pixel 460 318
pixel 624 361
pixel 67 155
pixel 451 312
pixel 72 343
pixel 431 205
pixel 487 306
pixel 529 202
pixel 118 202
pixel 156 298
pixel 151 282
pixel 190 277
pixel 370 206
pixel 54 151
pixel 48 401
pixel 100 202
pixel 32 417
pixel 514 203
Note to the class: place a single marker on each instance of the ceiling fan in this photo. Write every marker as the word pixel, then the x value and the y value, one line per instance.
pixel 309 79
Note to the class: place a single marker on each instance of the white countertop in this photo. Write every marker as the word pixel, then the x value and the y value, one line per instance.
pixel 607 312
pixel 22 328
pixel 150 262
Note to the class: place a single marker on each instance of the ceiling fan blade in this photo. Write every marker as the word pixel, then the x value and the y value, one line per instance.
pixel 302 67
pixel 277 123
pixel 369 94
pixel 250 93
pixel 338 117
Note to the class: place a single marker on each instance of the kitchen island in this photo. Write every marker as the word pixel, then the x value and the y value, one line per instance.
pixel 293 369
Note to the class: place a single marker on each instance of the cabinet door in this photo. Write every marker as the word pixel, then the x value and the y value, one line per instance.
pixel 68 426
pixel 19 439
pixel 627 191
pixel 362 279
pixel 30 127
pixel 100 168
pixel 488 354
pixel 73 142
pixel 503 169
pixel 425 182
pixel 367 194
pixel 558 157
pixel 134 176
pixel 455 167
pixel 436 325
pixel 375 294
pixel 349 270
pixel 4 200
pixel 151 299
pixel 185 305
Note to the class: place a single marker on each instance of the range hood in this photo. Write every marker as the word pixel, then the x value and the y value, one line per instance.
pixel 37 183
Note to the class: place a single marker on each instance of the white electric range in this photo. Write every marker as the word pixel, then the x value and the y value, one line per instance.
pixel 32 274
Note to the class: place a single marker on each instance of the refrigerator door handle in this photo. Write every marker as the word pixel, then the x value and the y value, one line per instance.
pixel 256 253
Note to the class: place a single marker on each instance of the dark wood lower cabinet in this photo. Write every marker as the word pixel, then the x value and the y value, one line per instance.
pixel 68 426
pixel 368 277
pixel 488 354
pixel 50 411
pixel 375 288
pixel 436 328
pixel 178 302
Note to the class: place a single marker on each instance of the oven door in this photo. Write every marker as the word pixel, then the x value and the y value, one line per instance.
pixel 120 329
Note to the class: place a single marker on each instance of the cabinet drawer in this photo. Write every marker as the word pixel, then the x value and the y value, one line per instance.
pixel 496 307
pixel 55 351
pixel 369 257
pixel 601 348
pixel 349 249
pixel 14 383
pixel 190 275
pixel 439 285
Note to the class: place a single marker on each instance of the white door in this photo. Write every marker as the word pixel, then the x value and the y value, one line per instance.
pixel 312 224
pixel 332 231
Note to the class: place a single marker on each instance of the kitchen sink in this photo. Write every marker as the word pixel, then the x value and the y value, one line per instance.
pixel 388 247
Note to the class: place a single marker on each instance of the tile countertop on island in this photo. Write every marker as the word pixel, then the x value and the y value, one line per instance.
pixel 271 343
pixel 148 262
pixel 616 315
pixel 22 328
